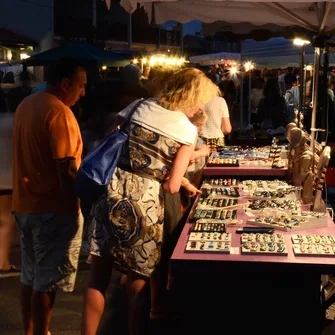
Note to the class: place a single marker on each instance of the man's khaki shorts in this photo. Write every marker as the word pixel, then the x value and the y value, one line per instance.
pixel 50 247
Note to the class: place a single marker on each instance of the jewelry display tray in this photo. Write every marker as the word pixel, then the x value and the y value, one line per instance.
pixel 297 251
pixel 311 223
pixel 208 247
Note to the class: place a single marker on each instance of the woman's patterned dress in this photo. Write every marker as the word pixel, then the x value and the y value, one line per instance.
pixel 128 222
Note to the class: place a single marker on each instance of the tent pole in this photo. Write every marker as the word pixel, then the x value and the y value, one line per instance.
pixel 301 82
pixel 304 87
pixel 315 100
pixel 130 32
pixel 324 107
pixel 94 14
pixel 241 100
pixel 249 100
pixel 325 16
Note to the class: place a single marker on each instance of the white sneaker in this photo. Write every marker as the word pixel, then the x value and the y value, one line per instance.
pixel 12 272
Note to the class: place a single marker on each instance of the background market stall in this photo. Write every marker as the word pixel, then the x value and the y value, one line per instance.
pixel 315 17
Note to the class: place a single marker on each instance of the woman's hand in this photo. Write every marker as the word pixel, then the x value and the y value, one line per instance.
pixel 192 190
pixel 203 151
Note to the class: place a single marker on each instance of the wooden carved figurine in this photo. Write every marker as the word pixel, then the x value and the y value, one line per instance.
pixel 318 204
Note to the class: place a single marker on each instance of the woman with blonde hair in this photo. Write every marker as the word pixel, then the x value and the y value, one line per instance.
pixel 127 227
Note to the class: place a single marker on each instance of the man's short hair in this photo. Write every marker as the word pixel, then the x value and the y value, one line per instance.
pixel 63 68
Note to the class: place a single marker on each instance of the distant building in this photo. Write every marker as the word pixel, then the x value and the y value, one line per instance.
pixel 77 19
pixel 197 45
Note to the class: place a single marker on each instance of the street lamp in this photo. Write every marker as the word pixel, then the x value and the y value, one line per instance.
pixel 248 66
pixel 300 42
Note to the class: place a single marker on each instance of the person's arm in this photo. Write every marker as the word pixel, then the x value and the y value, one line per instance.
pixel 225 120
pixel 67 171
pixel 64 137
pixel 179 166
pixel 202 151
pixel 226 125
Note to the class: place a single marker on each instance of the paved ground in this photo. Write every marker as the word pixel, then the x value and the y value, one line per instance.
pixel 66 316
pixel 67 312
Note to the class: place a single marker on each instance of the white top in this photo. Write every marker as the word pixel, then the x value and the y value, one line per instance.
pixel 6 130
pixel 216 109
pixel 172 124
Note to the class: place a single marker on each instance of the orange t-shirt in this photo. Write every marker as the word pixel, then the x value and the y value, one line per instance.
pixel 44 130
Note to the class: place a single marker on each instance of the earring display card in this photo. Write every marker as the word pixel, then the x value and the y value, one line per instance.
pixel 308 249
pixel 313 239
pixel 214 214
pixel 220 182
pixel 206 237
pixel 218 161
pixel 209 227
pixel 212 247
pixel 222 191
pixel 262 238
pixel 256 205
pixel 278 222
pixel 216 202
pixel 263 248
pixel 266 185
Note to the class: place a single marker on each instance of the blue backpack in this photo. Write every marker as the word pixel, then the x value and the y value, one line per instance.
pixel 97 168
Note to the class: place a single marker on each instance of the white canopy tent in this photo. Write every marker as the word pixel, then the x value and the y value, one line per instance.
pixel 217 58
pixel 277 53
pixel 312 15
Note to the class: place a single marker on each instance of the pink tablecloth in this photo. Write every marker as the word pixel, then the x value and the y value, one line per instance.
pixel 245 171
pixel 181 260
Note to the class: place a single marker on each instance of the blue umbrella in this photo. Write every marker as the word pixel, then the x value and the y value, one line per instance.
pixel 82 51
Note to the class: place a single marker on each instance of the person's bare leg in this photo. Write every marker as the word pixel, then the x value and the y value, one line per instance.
pixel 25 297
pixel 135 286
pixel 6 230
pixel 123 280
pixel 41 307
pixel 155 292
pixel 94 301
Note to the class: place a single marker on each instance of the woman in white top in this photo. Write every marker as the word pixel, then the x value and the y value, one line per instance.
pixel 218 123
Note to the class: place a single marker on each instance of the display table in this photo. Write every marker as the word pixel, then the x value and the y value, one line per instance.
pixel 251 171
pixel 281 293
pixel 238 262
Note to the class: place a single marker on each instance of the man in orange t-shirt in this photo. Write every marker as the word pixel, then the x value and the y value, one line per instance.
pixel 47 149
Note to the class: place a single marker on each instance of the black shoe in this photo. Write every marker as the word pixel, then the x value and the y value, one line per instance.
pixel 12 272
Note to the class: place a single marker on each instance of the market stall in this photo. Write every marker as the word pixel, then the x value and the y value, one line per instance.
pixel 264 279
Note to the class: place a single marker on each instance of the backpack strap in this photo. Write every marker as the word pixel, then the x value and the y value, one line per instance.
pixel 121 122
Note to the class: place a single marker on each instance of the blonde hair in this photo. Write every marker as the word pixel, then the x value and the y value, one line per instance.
pixel 200 115
pixel 158 77
pixel 187 90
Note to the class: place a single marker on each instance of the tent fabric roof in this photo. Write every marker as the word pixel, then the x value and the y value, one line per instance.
pixel 306 13
pixel 79 50
pixel 9 37
pixel 277 53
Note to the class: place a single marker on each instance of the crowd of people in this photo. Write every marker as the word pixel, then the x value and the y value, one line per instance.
pixel 274 95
